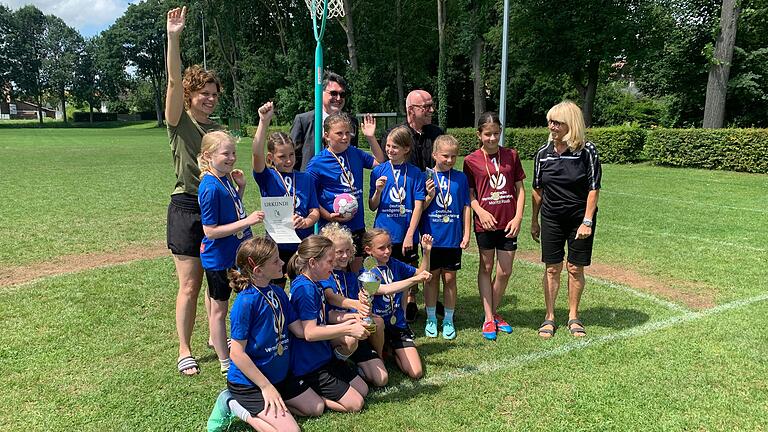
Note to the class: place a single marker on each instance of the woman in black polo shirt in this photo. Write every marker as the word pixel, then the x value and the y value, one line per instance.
pixel 566 182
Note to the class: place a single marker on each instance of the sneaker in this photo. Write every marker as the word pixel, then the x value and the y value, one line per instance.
pixel 489 330
pixel 449 332
pixel 502 325
pixel 221 416
pixel 411 310
pixel 431 328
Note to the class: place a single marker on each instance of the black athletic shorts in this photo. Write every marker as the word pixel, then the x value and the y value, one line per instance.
pixel 364 352
pixel 557 231
pixel 490 240
pixel 251 399
pixel 184 231
pixel 411 258
pixel 218 284
pixel 398 338
pixel 331 381
pixel 285 256
pixel 445 258
pixel 357 239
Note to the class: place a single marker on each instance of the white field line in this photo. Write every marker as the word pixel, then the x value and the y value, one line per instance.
pixel 645 296
pixel 687 237
pixel 680 201
pixel 524 359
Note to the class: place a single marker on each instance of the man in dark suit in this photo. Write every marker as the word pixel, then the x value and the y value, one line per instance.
pixel 303 130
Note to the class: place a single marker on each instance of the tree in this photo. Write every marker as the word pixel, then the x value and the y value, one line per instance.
pixel 442 86
pixel 62 47
pixel 29 32
pixel 6 29
pixel 717 83
pixel 100 71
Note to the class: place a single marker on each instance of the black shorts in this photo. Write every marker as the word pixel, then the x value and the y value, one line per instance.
pixel 445 258
pixel 412 258
pixel 218 284
pixel 398 338
pixel 557 231
pixel 364 352
pixel 330 381
pixel 490 240
pixel 251 399
pixel 184 231
pixel 357 239
pixel 285 256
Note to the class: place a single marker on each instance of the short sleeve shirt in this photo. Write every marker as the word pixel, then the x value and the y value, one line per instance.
pixel 185 139
pixel 421 156
pixel 451 197
pixel 405 185
pixel 493 178
pixel 220 204
pixel 257 314
pixel 344 283
pixel 566 179
pixel 388 306
pixel 308 299
pixel 296 184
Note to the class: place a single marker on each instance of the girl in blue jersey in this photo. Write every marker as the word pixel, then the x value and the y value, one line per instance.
pixel 312 357
pixel 447 218
pixel 259 379
pixel 276 177
pixel 397 194
pixel 339 169
pixel 397 277
pixel 225 225
pixel 343 282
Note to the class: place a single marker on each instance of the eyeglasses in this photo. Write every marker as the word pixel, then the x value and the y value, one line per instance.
pixel 555 123
pixel 426 107
pixel 338 94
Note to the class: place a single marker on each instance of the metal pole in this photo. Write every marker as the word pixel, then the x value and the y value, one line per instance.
pixel 503 86
pixel 319 78
pixel 202 20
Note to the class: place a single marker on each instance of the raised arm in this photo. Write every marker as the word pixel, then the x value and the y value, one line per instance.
pixel 174 94
pixel 266 112
pixel 369 130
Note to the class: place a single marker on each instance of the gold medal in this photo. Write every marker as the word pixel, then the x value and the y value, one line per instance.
pixel 495 196
pixel 446 219
pixel 239 235
pixel 402 210
pixel 393 320
pixel 279 348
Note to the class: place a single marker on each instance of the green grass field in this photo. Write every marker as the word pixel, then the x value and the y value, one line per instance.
pixel 96 350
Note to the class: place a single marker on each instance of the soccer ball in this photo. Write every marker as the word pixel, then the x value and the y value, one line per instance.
pixel 345 204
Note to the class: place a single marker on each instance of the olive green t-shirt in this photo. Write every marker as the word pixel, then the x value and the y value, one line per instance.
pixel 185 139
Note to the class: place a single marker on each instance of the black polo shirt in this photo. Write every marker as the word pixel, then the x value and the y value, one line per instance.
pixel 566 179
pixel 421 153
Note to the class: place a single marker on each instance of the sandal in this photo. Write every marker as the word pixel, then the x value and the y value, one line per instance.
pixel 576 331
pixel 187 363
pixel 546 331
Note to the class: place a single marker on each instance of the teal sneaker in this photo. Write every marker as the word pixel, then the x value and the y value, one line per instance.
pixel 431 328
pixel 449 332
pixel 221 416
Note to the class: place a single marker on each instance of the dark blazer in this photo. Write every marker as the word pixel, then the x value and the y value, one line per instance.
pixel 303 137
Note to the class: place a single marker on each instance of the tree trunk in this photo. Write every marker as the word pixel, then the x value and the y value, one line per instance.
pixel 399 76
pixel 63 97
pixel 478 83
pixel 442 86
pixel 39 107
pixel 587 91
pixel 90 112
pixel 158 100
pixel 230 57
pixel 349 29
pixel 717 83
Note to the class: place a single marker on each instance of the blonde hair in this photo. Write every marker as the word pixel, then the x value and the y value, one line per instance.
pixel 371 234
pixel 569 113
pixel 314 246
pixel 252 253
pixel 445 140
pixel 195 79
pixel 337 232
pixel 401 136
pixel 210 143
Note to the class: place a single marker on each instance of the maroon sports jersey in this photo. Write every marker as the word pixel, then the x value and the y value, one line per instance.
pixel 496 193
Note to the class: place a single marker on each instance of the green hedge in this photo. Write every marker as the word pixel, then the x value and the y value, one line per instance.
pixel 614 144
pixel 721 149
pixel 250 130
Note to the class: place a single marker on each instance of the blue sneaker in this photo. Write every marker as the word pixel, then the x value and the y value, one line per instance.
pixel 221 416
pixel 449 332
pixel 489 330
pixel 501 324
pixel 430 330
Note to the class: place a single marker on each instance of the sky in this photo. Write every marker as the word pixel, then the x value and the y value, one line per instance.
pixel 89 17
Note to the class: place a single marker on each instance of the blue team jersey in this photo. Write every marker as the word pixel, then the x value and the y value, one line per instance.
pixel 450 200
pixel 309 302
pixel 298 183
pixel 344 283
pixel 387 306
pixel 220 204
pixel 330 180
pixel 405 183
pixel 255 318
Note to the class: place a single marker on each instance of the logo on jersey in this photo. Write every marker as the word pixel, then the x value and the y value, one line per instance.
pixel 279 318
pixel 448 200
pixel 497 181
pixel 290 186
pixel 397 194
pixel 445 191
pixel 348 181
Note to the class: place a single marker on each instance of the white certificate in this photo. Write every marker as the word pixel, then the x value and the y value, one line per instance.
pixel 278 214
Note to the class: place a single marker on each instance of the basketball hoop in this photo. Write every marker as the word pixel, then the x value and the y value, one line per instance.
pixel 335 8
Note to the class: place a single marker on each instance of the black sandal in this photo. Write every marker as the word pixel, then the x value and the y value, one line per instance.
pixel 187 363
pixel 550 332
pixel 576 331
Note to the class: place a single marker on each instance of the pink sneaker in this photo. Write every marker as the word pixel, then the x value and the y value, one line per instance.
pixel 502 325
pixel 489 330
